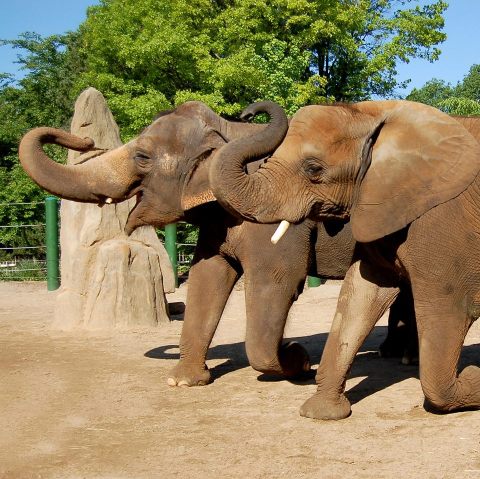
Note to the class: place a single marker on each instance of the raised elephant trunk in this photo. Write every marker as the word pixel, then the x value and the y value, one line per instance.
pixel 105 178
pixel 232 186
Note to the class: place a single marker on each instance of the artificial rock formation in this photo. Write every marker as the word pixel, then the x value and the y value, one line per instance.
pixel 109 279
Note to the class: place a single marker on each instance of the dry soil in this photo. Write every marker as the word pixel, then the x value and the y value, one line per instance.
pixel 97 405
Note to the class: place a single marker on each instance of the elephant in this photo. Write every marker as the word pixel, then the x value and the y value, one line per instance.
pixel 406 176
pixel 167 168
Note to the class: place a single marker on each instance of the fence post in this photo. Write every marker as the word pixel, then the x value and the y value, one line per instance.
pixel 51 232
pixel 314 281
pixel 171 247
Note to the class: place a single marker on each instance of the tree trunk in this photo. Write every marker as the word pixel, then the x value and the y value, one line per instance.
pixel 109 280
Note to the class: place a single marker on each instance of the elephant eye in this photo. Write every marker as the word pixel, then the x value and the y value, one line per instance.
pixel 313 168
pixel 142 159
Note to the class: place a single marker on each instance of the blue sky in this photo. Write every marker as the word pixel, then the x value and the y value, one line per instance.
pixel 459 52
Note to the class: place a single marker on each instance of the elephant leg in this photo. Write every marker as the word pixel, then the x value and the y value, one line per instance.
pixel 268 301
pixel 361 304
pixel 442 330
pixel 210 283
pixel 402 337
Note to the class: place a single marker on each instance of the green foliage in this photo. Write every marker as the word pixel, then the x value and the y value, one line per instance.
pixel 16 187
pixel 231 53
pixel 45 96
pixel 462 99
pixel 150 55
pixel 432 93
pixel 25 270
pixel 354 44
pixel 460 106
pixel 470 86
pixel 133 104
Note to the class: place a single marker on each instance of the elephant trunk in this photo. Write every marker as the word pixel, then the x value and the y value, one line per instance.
pixel 108 176
pixel 233 187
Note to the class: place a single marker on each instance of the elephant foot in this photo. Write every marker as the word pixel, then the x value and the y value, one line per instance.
pixel 320 407
pixel 294 359
pixel 463 394
pixel 410 358
pixel 187 375
pixel 406 349
pixel 401 341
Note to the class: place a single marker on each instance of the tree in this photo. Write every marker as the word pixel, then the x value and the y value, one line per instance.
pixel 45 96
pixel 150 55
pixel 153 54
pixel 353 44
pixel 463 99
pixel 432 93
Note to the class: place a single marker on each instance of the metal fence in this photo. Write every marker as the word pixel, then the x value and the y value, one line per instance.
pixel 38 258
pixel 22 262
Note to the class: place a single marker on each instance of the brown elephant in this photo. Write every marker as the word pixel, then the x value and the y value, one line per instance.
pixel 407 177
pixel 167 168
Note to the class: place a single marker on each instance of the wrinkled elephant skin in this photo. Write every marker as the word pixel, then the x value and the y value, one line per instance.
pixel 167 167
pixel 407 177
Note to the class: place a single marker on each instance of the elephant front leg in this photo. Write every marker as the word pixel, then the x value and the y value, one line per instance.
pixel 361 304
pixel 210 283
pixel 268 301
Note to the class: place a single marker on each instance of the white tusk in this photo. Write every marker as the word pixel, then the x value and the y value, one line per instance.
pixel 280 231
pixel 108 201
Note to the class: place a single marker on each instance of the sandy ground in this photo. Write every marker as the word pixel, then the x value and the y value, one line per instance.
pixel 97 405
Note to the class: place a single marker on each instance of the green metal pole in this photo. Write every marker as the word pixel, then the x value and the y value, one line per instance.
pixel 314 281
pixel 51 231
pixel 171 247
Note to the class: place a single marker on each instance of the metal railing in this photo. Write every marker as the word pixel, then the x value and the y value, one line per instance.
pixel 40 262
pixel 18 265
pixel 180 254
pixel 23 262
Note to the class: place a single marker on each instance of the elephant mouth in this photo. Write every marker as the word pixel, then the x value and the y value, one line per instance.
pixel 319 212
pixel 107 200
pixel 138 199
pixel 134 219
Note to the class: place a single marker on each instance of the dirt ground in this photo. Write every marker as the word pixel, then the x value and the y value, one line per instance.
pixel 97 405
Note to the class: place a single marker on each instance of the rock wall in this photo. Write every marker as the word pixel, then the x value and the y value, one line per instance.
pixel 108 279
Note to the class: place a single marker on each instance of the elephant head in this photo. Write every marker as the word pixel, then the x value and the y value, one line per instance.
pixel 380 164
pixel 166 166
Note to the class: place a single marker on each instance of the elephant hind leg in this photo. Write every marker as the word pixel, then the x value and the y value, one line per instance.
pixel 440 349
pixel 289 360
pixel 294 359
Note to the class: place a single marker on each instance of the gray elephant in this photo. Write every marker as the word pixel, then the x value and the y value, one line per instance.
pixel 167 168
pixel 407 177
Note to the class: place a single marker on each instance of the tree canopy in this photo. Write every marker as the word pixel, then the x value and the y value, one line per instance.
pixel 462 99
pixel 152 54
pixel 45 96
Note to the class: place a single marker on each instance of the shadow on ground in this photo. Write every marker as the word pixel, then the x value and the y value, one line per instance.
pixel 378 373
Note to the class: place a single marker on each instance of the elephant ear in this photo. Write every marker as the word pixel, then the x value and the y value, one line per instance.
pixel 196 190
pixel 420 158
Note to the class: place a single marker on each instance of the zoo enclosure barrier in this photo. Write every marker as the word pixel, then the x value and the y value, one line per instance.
pixel 22 242
pixel 39 258
pixel 27 256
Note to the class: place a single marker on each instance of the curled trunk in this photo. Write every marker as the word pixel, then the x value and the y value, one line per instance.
pixel 109 175
pixel 232 186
